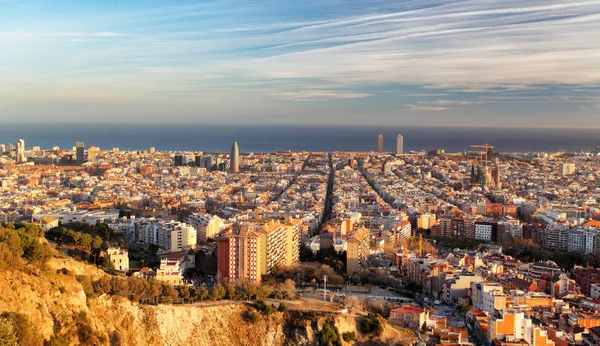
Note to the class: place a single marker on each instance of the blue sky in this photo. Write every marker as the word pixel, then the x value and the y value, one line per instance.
pixel 478 63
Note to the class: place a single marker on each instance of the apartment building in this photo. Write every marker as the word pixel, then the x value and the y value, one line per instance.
pixel 207 226
pixel 487 231
pixel 254 249
pixel 176 236
pixel 358 250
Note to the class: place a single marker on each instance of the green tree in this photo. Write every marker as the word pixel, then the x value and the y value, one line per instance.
pixel 155 289
pixel 217 292
pixel 169 291
pixel 201 293
pixel 229 291
pixel 184 292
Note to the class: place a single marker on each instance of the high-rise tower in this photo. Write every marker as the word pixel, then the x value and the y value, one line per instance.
pixel 380 143
pixel 400 145
pixel 235 158
pixel 79 152
pixel 21 151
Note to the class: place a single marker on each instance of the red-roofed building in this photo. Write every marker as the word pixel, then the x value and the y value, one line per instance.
pixel 409 316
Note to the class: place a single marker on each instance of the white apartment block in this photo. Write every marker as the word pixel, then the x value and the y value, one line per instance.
pixel 483 231
pixel 206 225
pixel 176 236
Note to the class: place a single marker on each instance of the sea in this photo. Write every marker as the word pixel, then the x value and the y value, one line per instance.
pixel 271 138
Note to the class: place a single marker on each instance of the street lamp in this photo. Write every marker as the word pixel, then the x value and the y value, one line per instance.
pixel 324 287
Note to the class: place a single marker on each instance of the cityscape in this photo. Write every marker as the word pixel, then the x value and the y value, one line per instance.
pixel 471 248
pixel 299 173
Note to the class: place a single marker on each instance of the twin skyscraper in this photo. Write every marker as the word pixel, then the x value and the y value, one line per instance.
pixel 399 144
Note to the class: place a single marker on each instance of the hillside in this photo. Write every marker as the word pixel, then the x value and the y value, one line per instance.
pixel 54 302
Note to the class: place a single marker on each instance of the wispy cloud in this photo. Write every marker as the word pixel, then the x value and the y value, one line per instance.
pixel 316 95
pixel 421 108
pixel 462 52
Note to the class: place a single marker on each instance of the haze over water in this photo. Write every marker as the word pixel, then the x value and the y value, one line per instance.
pixel 261 138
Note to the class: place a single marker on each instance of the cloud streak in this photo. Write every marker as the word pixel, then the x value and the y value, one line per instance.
pixel 458 51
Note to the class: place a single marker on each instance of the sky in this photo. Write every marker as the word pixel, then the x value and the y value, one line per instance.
pixel 443 63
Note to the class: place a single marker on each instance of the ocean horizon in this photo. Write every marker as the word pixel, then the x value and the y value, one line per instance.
pixel 272 138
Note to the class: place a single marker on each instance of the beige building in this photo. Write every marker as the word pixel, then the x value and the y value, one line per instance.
pixel 256 249
pixel 174 265
pixel 358 250
pixel 176 236
pixel 119 258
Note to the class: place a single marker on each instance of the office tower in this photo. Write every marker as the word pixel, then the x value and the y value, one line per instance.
pixel 400 145
pixel 20 151
pixel 2 148
pixel 92 153
pixel 179 160
pixel 79 152
pixel 152 150
pixel 208 162
pixel 10 147
pixel 235 158
pixel 198 161
pixel 380 143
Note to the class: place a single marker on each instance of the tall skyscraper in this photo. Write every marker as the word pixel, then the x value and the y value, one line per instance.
pixel 80 152
pixel 380 143
pixel 92 153
pixel 21 151
pixel 2 148
pixel 235 158
pixel 400 145
pixel 152 150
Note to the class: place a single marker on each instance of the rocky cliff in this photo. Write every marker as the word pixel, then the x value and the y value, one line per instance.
pixel 55 304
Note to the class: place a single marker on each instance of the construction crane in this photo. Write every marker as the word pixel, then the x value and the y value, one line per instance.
pixel 487 148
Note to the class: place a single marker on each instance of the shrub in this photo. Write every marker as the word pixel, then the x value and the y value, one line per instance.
pixel 263 307
pixel 329 335
pixel 349 336
pixel 253 317
pixel 8 336
pixel 282 307
pixel 372 324
pixel 85 333
pixel 26 334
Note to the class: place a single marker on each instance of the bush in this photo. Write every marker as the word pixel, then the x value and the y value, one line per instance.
pixel 263 307
pixel 85 333
pixel 372 324
pixel 8 336
pixel 329 335
pixel 25 332
pixel 349 336
pixel 282 307
pixel 253 317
